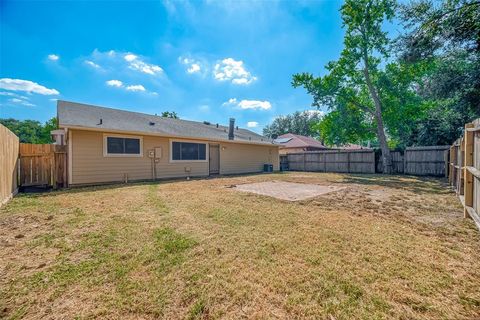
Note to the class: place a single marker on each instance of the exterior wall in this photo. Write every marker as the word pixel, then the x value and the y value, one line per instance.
pixel 246 158
pixel 89 166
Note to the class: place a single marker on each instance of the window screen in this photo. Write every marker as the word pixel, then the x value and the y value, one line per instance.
pixel 116 145
pixel 188 151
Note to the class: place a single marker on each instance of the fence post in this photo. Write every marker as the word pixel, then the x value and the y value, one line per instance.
pixel 348 162
pixel 468 162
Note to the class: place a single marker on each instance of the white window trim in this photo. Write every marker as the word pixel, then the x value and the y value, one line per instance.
pixel 121 155
pixel 191 141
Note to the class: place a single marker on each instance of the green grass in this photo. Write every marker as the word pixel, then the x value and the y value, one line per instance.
pixel 199 250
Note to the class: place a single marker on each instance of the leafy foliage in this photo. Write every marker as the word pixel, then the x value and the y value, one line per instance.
pixel 353 86
pixel 297 123
pixel 170 114
pixel 31 131
pixel 448 37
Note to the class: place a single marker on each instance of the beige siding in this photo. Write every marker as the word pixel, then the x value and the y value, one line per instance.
pixel 246 158
pixel 90 166
pixel 9 145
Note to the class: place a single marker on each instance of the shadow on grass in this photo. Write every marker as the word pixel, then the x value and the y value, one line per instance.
pixel 46 192
pixel 402 182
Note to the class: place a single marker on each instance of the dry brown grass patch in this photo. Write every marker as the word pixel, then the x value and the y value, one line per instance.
pixel 384 247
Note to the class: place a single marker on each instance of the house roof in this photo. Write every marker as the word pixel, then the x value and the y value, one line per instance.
pixel 291 140
pixel 79 115
pixel 352 146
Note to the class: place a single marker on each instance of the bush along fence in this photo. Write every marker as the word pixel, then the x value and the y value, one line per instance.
pixel 422 161
pixel 464 170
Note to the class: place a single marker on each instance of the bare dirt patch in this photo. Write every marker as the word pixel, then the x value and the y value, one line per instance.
pixel 290 191
pixel 385 247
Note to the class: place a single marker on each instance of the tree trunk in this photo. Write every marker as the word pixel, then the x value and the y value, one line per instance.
pixel 382 139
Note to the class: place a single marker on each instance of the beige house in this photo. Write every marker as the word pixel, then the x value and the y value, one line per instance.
pixel 109 145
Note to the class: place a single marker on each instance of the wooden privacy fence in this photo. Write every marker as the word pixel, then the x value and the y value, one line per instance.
pixel 354 161
pixel 43 165
pixel 9 145
pixel 423 161
pixel 464 170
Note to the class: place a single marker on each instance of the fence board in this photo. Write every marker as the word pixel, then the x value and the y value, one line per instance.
pixel 9 146
pixel 423 161
pixel 464 165
pixel 43 165
pixel 354 161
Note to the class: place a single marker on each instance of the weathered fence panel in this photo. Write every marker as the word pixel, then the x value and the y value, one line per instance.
pixel 464 170
pixel 397 162
pixel 426 161
pixel 353 161
pixel 43 165
pixel 9 145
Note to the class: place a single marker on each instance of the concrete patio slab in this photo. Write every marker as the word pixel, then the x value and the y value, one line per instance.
pixel 287 190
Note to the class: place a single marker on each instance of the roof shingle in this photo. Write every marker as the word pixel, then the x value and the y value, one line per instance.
pixel 72 114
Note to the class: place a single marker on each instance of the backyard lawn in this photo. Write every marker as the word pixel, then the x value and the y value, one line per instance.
pixel 382 247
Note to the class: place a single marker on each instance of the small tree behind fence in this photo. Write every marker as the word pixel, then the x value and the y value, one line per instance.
pixel 464 170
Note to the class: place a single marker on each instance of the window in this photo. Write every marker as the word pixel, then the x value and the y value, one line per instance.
pixel 122 146
pixel 189 151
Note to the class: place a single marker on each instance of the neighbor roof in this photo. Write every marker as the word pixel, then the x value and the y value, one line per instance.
pixel 298 141
pixel 78 115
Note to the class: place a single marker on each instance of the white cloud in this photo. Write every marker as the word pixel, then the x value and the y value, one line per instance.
pixel 93 64
pixel 248 104
pixel 232 70
pixel 53 57
pixel 25 85
pixel 230 102
pixel 193 66
pixel 130 57
pixel 137 87
pixel 115 83
pixel 136 64
pixel 119 63
pixel 11 94
pixel 22 102
pixel 204 108
pixel 133 87
pixel 252 124
pixel 254 104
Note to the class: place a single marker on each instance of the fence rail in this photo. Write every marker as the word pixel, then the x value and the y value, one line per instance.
pixel 464 170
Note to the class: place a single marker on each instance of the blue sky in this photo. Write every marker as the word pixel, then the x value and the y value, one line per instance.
pixel 205 60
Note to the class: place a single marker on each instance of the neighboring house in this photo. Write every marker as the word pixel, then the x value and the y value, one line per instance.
pixel 109 145
pixel 352 146
pixel 292 143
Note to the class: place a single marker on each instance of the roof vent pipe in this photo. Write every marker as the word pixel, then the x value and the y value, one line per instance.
pixel 230 129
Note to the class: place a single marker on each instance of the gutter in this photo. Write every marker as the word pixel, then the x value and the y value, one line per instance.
pixel 142 133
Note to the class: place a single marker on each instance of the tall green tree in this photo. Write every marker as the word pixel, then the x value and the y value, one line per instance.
pixel 297 123
pixel 445 34
pixel 31 131
pixel 353 82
